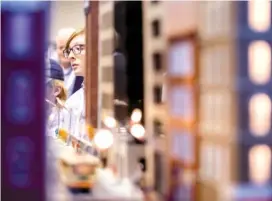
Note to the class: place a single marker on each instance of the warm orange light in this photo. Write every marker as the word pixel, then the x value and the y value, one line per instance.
pixel 90 131
pixel 63 134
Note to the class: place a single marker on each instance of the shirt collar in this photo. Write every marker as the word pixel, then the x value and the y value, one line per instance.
pixel 67 71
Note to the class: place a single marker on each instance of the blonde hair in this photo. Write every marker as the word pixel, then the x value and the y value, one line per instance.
pixel 63 92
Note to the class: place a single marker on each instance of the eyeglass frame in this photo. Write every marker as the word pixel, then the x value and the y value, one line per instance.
pixel 67 51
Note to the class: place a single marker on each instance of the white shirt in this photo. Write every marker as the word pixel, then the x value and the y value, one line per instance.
pixel 75 117
pixel 55 121
pixel 69 80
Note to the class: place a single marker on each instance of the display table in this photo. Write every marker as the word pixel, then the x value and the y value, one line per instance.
pixel 106 187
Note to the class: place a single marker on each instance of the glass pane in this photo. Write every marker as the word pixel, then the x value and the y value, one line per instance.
pixel 182 103
pixel 259 62
pixel 260 164
pixel 175 144
pixel 187 148
pixel 260 114
pixel 183 146
pixel 259 12
pixel 184 193
pixel 181 59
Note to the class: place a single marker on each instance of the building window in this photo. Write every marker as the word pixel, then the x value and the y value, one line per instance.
pixel 259 15
pixel 260 114
pixel 181 59
pixel 158 127
pixel 182 102
pixel 260 164
pixel 155 2
pixel 159 172
pixel 259 54
pixel 157 61
pixel 156 28
pixel 157 91
pixel 184 146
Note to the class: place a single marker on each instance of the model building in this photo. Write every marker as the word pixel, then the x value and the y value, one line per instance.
pixel 218 105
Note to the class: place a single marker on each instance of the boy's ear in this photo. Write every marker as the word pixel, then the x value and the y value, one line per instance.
pixel 57 91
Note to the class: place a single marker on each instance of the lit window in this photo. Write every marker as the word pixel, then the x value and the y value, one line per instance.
pixel 260 163
pixel 259 12
pixel 182 103
pixel 181 59
pixel 260 114
pixel 183 146
pixel 187 147
pixel 259 62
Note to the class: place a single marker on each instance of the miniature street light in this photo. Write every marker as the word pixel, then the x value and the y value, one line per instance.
pixel 122 136
pixel 136 116
pixel 103 139
pixel 137 131
pixel 110 122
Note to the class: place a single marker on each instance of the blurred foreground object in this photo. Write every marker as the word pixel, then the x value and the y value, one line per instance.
pixel 78 170
pixel 23 44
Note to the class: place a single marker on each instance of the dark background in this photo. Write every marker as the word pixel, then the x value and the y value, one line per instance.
pixel 128 24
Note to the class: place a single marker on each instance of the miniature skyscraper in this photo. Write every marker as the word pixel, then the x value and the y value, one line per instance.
pixel 155 113
pixel 218 95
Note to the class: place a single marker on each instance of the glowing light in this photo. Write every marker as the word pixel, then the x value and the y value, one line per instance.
pixel 259 54
pixel 103 139
pixel 259 12
pixel 136 115
pixel 138 131
pixel 260 114
pixel 110 122
pixel 260 163
pixel 63 134
pixel 90 131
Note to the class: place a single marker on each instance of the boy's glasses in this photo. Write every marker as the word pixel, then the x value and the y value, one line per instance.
pixel 75 49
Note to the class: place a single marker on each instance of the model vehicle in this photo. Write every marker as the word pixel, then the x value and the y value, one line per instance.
pixel 78 170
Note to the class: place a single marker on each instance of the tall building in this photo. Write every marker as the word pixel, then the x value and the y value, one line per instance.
pixel 154 107
pixel 218 107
